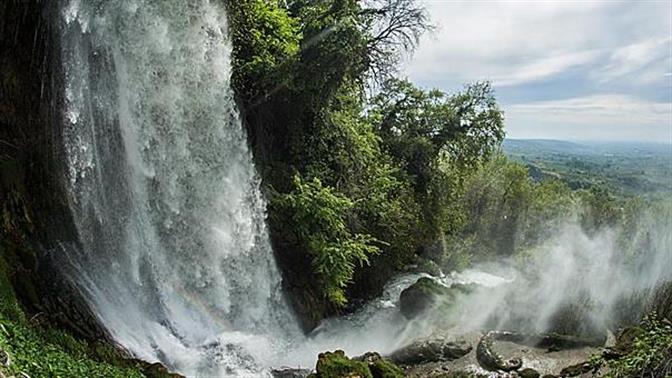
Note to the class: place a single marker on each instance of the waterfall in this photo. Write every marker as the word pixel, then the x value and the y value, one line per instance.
pixel 174 255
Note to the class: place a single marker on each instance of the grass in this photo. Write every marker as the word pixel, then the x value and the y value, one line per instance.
pixel 42 351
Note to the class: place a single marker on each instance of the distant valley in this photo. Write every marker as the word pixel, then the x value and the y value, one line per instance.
pixel 627 168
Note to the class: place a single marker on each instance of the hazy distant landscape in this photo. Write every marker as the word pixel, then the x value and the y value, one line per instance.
pixel 627 168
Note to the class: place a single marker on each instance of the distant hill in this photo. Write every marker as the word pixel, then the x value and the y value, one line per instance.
pixel 546 146
pixel 552 146
pixel 629 168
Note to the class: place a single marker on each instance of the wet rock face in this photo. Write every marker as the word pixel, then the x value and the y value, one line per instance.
pixel 426 294
pixel 36 222
pixel 550 341
pixel 432 350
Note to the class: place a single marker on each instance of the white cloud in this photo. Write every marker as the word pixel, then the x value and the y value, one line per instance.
pixel 544 68
pixel 611 59
pixel 602 109
pixel 514 42
pixel 637 57
pixel 620 116
pixel 495 39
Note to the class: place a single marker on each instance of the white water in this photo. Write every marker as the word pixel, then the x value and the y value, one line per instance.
pixel 175 258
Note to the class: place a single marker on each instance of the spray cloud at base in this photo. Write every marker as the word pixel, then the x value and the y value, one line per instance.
pixel 573 282
pixel 578 283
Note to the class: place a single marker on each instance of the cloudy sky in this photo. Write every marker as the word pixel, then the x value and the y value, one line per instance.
pixel 580 70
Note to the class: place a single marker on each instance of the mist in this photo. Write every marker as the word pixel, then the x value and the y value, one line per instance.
pixel 580 283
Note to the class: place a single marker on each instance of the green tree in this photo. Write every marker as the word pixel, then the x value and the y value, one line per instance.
pixel 436 138
pixel 266 44
pixel 601 209
pixel 507 212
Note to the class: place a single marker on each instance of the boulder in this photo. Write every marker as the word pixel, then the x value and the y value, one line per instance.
pixel 490 360
pixel 432 350
pixel 380 367
pixel 419 297
pixel 528 373
pixel 577 369
pixel 425 294
pixel 337 365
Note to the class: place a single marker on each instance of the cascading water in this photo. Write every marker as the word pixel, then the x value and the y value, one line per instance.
pixel 174 258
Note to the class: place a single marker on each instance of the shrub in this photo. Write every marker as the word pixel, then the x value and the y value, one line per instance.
pixel 319 216
pixel 651 352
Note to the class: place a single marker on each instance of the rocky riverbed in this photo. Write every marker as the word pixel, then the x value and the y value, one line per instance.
pixel 571 348
pixel 543 361
pixel 445 355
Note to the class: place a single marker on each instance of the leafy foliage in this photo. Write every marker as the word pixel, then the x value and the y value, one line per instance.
pixel 436 138
pixel 371 184
pixel 318 215
pixel 601 209
pixel 268 39
pixel 392 26
pixel 651 354
pixel 507 212
pixel 389 168
pixel 303 91
pixel 417 126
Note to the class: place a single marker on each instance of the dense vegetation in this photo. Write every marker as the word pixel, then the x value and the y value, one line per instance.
pixel 650 354
pixel 359 184
pixel 366 173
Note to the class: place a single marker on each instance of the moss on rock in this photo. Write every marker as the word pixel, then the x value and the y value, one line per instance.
pixel 380 367
pixel 420 296
pixel 383 368
pixel 370 365
pixel 426 293
pixel 337 365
